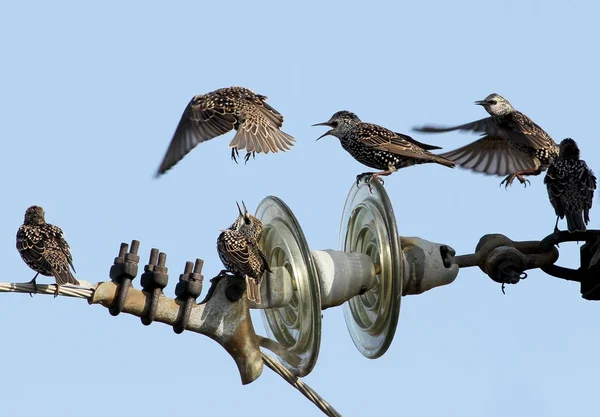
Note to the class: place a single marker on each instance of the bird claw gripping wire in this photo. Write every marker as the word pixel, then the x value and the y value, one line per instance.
pixel 188 289
pixel 123 271
pixel 154 279
pixel 588 274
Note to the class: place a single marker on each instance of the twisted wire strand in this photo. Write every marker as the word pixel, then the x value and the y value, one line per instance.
pixel 274 365
pixel 297 383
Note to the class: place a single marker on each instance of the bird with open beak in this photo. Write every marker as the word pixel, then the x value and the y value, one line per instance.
pixel 378 147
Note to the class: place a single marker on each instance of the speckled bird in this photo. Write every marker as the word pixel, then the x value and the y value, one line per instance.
pixel 378 147
pixel 512 144
pixel 44 249
pixel 240 252
pixel 571 186
pixel 216 113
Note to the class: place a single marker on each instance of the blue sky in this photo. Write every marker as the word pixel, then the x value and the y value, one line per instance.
pixel 91 94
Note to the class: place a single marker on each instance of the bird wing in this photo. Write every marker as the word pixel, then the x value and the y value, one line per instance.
pixel 515 127
pixel 492 156
pixel 416 142
pixel 256 133
pixel 204 118
pixel 380 138
pixel 236 251
pixel 269 112
pixel 588 184
pixel 31 244
pixel 57 235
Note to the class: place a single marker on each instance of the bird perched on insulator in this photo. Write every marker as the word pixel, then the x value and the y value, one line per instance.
pixel 239 250
pixel 216 113
pixel 570 184
pixel 512 144
pixel 378 147
pixel 44 249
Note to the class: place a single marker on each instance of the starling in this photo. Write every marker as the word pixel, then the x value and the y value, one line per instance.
pixel 377 147
pixel 44 249
pixel 216 113
pixel 240 253
pixel 512 144
pixel 571 186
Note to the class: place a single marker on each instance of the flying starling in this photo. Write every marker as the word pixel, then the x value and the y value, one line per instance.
pixel 216 113
pixel 377 147
pixel 240 253
pixel 44 249
pixel 571 186
pixel 512 144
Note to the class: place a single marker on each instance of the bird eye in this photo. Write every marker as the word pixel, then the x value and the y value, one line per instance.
pixel 492 102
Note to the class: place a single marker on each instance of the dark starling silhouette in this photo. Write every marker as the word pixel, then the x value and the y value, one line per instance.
pixel 512 144
pixel 216 113
pixel 377 147
pixel 571 186
pixel 240 252
pixel 44 249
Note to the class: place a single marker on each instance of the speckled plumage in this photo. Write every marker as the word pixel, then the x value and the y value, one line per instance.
pixel 512 144
pixel 216 113
pixel 44 249
pixel 239 250
pixel 570 184
pixel 378 147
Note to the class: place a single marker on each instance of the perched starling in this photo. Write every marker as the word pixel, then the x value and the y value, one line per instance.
pixel 378 147
pixel 216 113
pixel 512 144
pixel 571 186
pixel 240 253
pixel 44 249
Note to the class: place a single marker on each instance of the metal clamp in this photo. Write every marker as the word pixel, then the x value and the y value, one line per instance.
pixel 154 279
pixel 187 290
pixel 123 271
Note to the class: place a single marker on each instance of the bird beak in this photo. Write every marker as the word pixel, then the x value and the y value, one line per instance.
pixel 326 133
pixel 481 102
pixel 245 210
pixel 239 209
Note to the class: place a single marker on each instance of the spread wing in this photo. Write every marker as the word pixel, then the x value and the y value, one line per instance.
pixel 204 118
pixel 256 133
pixel 492 156
pixel 516 127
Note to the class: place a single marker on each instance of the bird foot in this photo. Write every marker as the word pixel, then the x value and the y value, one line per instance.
pixel 35 289
pixel 235 154
pixel 56 290
pixel 248 155
pixel 509 180
pixel 368 177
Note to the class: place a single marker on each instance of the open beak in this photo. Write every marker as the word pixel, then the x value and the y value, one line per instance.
pixel 326 133
pixel 239 209
pixel 481 102
pixel 245 210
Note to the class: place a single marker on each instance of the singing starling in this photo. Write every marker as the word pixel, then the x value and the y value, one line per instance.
pixel 377 147
pixel 44 249
pixel 571 186
pixel 240 253
pixel 512 144
pixel 216 113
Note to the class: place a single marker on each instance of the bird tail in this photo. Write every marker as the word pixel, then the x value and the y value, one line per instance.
pixel 65 277
pixel 575 222
pixel 253 291
pixel 441 160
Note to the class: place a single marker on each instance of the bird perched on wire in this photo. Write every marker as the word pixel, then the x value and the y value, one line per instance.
pixel 216 113
pixel 240 253
pixel 512 144
pixel 571 186
pixel 378 147
pixel 44 249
